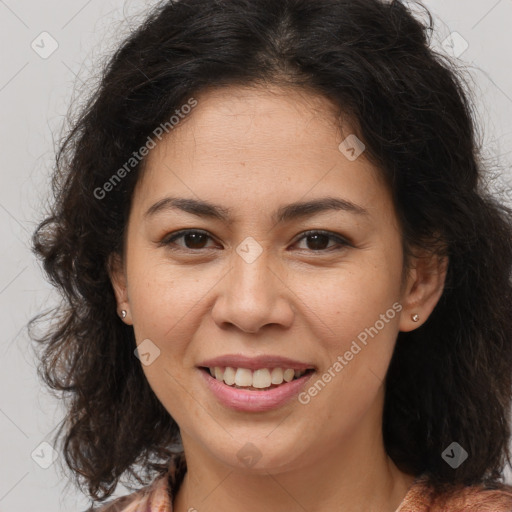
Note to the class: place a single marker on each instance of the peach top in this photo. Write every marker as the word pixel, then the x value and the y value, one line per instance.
pixel 157 497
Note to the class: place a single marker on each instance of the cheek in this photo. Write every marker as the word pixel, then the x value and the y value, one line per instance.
pixel 346 300
pixel 162 300
pixel 358 350
pixel 354 314
pixel 162 296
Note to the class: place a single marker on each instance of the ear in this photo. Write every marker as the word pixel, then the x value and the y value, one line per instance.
pixel 423 289
pixel 117 276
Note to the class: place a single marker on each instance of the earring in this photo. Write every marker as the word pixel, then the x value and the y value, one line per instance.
pixel 123 313
pixel 415 317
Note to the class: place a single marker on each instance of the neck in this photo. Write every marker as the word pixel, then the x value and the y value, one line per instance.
pixel 354 475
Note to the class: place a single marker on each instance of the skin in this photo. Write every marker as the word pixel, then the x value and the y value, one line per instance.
pixel 253 150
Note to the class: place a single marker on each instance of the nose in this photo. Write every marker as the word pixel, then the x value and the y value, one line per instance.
pixel 253 295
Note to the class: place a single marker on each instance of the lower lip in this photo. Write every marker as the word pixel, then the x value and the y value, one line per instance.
pixel 254 401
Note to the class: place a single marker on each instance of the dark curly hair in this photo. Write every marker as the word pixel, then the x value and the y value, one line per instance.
pixel 449 380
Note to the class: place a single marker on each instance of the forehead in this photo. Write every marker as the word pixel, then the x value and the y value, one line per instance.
pixel 242 118
pixel 258 145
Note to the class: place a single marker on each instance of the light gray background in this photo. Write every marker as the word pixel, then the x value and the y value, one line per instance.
pixel 35 94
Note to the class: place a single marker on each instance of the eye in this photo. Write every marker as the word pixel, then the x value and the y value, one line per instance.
pixel 318 240
pixel 194 239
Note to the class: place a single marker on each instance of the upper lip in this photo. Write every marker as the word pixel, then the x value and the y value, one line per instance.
pixel 255 363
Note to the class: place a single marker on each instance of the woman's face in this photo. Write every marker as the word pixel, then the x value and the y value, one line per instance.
pixel 254 285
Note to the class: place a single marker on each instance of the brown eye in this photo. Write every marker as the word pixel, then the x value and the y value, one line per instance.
pixel 193 239
pixel 317 241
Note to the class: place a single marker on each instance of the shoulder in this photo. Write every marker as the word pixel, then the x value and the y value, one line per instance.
pixel 153 498
pixel 481 499
pixel 478 498
pixel 156 497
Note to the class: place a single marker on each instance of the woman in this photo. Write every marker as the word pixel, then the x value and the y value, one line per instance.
pixel 210 346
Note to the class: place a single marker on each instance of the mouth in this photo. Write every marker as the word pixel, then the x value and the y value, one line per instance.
pixel 255 391
pixel 263 379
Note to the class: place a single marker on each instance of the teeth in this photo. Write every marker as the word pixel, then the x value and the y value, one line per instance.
pixel 243 377
pixel 229 375
pixel 277 376
pixel 261 378
pixel 288 374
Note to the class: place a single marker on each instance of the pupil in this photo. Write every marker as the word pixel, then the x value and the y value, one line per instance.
pixel 316 245
pixel 196 240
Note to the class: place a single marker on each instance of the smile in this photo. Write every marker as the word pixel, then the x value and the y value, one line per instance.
pixel 264 378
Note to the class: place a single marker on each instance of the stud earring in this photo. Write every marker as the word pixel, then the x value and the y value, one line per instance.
pixel 415 317
pixel 123 313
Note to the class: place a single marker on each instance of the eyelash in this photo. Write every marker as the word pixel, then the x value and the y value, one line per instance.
pixel 180 234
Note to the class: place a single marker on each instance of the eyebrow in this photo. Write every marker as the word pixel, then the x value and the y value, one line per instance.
pixel 283 214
